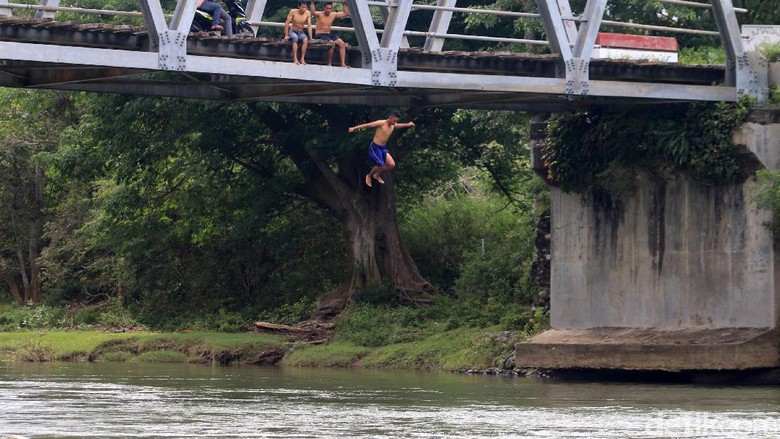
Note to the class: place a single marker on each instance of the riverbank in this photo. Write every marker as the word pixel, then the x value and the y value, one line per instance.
pixel 461 349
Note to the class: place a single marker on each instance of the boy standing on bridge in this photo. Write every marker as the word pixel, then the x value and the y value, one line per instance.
pixel 377 150
pixel 293 30
pixel 324 23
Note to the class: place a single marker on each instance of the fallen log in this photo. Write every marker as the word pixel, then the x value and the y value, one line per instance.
pixel 312 330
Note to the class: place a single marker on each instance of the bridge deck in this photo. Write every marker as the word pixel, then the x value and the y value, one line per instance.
pixel 109 58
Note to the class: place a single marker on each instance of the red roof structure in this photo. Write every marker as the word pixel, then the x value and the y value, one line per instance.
pixel 637 42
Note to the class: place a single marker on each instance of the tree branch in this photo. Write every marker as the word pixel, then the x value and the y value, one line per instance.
pixel 251 167
pixel 402 152
pixel 502 187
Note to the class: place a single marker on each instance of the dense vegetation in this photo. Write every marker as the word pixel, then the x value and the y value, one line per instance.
pixel 176 213
pixel 120 211
pixel 602 149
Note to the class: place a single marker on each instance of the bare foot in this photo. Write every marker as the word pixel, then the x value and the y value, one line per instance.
pixel 344 65
pixel 368 180
pixel 295 61
pixel 379 179
pixel 303 62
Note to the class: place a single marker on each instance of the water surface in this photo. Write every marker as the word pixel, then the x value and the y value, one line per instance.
pixel 131 400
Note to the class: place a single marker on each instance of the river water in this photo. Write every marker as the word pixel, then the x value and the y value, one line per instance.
pixel 132 400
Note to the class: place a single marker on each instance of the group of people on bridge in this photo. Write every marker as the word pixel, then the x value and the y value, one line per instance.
pixel 297 26
pixel 301 17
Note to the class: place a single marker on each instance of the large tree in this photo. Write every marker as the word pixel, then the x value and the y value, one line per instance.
pixel 294 153
pixel 30 125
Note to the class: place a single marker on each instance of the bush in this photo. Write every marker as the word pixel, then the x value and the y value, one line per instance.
pixel 767 195
pixel 15 318
pixel 702 55
pixel 116 316
pixel 600 150
pixel 373 326
pixel 222 321
pixel 502 270
pixel 290 314
pixel 87 317
pixel 771 51
pixel 33 350
pixel 462 236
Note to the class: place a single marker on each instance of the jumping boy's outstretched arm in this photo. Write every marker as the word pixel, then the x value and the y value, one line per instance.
pixel 373 124
pixel 405 125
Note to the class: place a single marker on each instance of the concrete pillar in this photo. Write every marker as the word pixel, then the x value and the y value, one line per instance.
pixel 676 275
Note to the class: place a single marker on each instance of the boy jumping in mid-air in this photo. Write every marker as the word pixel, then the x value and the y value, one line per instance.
pixel 377 150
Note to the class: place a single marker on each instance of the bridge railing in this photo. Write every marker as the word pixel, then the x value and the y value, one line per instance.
pixel 569 35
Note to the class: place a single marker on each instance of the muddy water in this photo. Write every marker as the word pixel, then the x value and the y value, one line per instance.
pixel 113 400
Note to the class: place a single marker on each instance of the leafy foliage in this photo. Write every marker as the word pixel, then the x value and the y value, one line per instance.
pixel 702 55
pixel 770 51
pixel 192 214
pixel 767 195
pixel 594 149
pixel 473 244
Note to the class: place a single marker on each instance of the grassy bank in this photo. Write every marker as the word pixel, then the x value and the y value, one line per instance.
pixel 447 335
pixel 139 346
pixel 454 350
pixel 458 349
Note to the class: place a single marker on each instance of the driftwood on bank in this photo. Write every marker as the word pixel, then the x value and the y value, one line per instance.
pixel 312 331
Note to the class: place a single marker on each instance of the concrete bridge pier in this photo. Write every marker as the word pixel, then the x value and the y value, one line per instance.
pixel 677 276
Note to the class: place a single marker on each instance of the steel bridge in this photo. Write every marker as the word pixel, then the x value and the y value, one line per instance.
pixel 161 57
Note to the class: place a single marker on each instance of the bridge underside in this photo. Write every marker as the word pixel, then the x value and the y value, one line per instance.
pixel 116 59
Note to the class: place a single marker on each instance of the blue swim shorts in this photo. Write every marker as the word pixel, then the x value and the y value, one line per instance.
pixel 326 37
pixel 297 36
pixel 377 154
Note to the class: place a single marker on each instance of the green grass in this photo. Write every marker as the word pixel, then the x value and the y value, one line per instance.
pixel 62 344
pixel 163 356
pixel 65 345
pixel 116 357
pixel 438 337
pixel 454 350
pixel 334 354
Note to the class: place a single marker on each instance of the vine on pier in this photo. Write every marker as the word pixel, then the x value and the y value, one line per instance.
pixel 600 149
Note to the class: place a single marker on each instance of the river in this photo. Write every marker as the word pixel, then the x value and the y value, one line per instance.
pixel 137 400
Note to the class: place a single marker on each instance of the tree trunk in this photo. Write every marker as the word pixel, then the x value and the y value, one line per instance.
pixel 36 229
pixel 35 272
pixel 23 273
pixel 376 257
pixel 9 279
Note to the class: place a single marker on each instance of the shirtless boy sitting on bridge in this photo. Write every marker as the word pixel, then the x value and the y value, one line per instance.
pixel 377 150
pixel 293 30
pixel 324 23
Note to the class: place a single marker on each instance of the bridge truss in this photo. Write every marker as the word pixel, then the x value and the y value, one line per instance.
pixel 45 53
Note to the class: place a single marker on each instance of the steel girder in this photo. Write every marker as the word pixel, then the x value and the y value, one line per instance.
pixel 254 11
pixel 747 71
pixel 439 25
pixel 4 12
pixel 572 43
pixel 381 56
